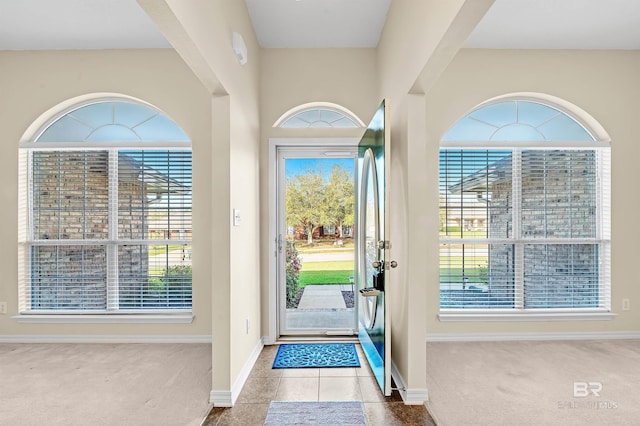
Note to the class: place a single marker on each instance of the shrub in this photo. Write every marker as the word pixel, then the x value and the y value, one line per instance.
pixel 174 284
pixel 293 266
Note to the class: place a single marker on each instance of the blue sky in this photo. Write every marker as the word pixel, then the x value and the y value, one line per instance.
pixel 300 166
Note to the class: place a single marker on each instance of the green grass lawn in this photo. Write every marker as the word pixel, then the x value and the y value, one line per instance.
pixel 329 272
pixel 325 277
pixel 155 250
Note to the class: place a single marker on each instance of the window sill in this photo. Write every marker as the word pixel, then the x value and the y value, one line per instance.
pixel 107 318
pixel 548 315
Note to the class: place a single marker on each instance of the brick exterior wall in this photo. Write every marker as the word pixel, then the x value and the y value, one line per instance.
pixel 71 202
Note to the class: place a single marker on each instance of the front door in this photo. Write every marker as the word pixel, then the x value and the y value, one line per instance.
pixel 374 331
pixel 316 245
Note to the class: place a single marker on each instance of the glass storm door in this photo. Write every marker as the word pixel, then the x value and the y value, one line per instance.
pixel 315 240
pixel 374 330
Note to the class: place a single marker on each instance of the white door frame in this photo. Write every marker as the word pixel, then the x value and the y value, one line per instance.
pixel 274 144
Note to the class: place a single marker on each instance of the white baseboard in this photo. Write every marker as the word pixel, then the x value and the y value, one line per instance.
pixel 228 398
pixel 409 396
pixel 71 338
pixel 268 340
pixel 221 398
pixel 497 337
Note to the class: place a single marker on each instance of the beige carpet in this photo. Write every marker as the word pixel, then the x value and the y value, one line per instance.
pixel 104 384
pixel 534 383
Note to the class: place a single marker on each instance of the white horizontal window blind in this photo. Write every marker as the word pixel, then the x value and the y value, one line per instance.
pixel 526 227
pixel 106 228
pixel 154 229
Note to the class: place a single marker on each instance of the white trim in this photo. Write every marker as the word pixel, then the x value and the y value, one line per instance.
pixel 545 145
pixel 511 316
pixel 409 396
pixel 142 318
pixel 268 341
pixel 505 337
pixel 274 143
pixel 223 398
pixel 161 338
pixel 102 146
pixel 318 105
pixel 245 371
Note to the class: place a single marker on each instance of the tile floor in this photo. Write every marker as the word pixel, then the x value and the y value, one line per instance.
pixel 315 384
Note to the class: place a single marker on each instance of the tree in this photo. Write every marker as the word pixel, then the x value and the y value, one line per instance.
pixel 339 201
pixel 304 200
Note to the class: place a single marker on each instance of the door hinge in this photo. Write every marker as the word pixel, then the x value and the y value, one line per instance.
pixel 384 245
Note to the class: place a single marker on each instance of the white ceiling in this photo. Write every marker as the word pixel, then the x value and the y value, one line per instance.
pixel 314 23
pixel 115 24
pixel 559 24
pixel 76 24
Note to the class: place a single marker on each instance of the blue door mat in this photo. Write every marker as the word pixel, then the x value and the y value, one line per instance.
pixel 321 355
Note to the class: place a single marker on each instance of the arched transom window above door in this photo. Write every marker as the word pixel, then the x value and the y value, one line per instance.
pixel 319 115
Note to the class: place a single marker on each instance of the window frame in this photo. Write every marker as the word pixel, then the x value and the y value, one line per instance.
pixel 27 239
pixel 602 239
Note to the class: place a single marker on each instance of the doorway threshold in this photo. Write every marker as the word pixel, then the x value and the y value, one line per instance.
pixel 316 338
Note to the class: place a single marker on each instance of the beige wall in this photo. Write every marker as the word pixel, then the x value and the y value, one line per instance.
pixel 33 83
pixel 419 40
pixel 292 77
pixel 201 32
pixel 602 83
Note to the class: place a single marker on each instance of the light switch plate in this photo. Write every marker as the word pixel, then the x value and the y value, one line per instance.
pixel 236 217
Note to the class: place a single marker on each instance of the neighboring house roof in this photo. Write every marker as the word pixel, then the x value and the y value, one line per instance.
pixel 483 179
pixel 155 182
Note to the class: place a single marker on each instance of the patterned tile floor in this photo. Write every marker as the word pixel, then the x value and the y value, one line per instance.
pixel 315 384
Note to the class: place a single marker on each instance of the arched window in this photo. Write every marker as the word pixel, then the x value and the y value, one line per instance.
pixel 524 211
pixel 318 115
pixel 106 212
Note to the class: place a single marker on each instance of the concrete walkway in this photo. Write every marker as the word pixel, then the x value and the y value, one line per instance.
pixel 323 297
pixel 322 307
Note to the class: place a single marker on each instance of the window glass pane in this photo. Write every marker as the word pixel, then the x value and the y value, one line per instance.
pixel 561 276
pixel 317 118
pixel 113 122
pixel 123 198
pixel 68 277
pixel 517 133
pixel 475 193
pixel 469 129
pixel 131 115
pixel 70 195
pixel 535 114
pixel 330 116
pixel 477 276
pixel 564 128
pixel 498 115
pixel 154 193
pixel 160 128
pixel 66 129
pixel 556 194
pixel 94 115
pixel 154 276
pixel 559 194
pixel 112 133
pixel 517 121
pixel 295 122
